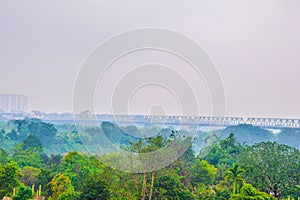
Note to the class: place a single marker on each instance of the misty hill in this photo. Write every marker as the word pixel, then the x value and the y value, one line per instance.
pixel 63 138
pixel 289 136
pixel 250 135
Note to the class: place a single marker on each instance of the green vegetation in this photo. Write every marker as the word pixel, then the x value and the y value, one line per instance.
pixel 231 170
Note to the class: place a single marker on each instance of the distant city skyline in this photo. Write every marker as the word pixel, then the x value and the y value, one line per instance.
pixel 13 102
pixel 254 44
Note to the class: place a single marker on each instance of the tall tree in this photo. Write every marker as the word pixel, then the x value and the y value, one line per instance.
pixel 9 174
pixel 225 151
pixel 94 187
pixel 201 172
pixel 62 187
pixel 28 157
pixel 235 174
pixel 29 175
pixel 23 193
pixel 272 167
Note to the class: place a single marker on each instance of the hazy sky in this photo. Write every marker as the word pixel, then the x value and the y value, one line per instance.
pixel 255 45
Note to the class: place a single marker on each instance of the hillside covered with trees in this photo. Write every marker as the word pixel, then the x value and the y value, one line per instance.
pixel 232 169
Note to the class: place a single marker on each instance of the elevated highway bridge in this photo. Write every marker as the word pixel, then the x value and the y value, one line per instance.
pixel 178 120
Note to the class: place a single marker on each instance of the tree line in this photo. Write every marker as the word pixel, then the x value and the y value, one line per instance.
pixel 230 170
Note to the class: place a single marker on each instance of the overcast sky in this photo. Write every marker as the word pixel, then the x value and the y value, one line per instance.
pixel 255 45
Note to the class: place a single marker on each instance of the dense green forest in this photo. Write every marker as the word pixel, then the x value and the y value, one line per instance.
pixel 40 159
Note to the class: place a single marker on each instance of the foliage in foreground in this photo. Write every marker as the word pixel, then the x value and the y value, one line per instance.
pixel 231 170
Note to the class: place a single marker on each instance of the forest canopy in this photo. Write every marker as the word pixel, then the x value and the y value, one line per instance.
pixel 232 169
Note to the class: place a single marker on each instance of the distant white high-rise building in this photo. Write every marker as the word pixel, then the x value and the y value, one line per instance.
pixel 13 103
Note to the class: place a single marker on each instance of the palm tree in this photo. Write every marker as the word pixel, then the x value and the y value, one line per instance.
pixel 235 174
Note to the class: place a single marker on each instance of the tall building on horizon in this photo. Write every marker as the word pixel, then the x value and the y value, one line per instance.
pixel 13 102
